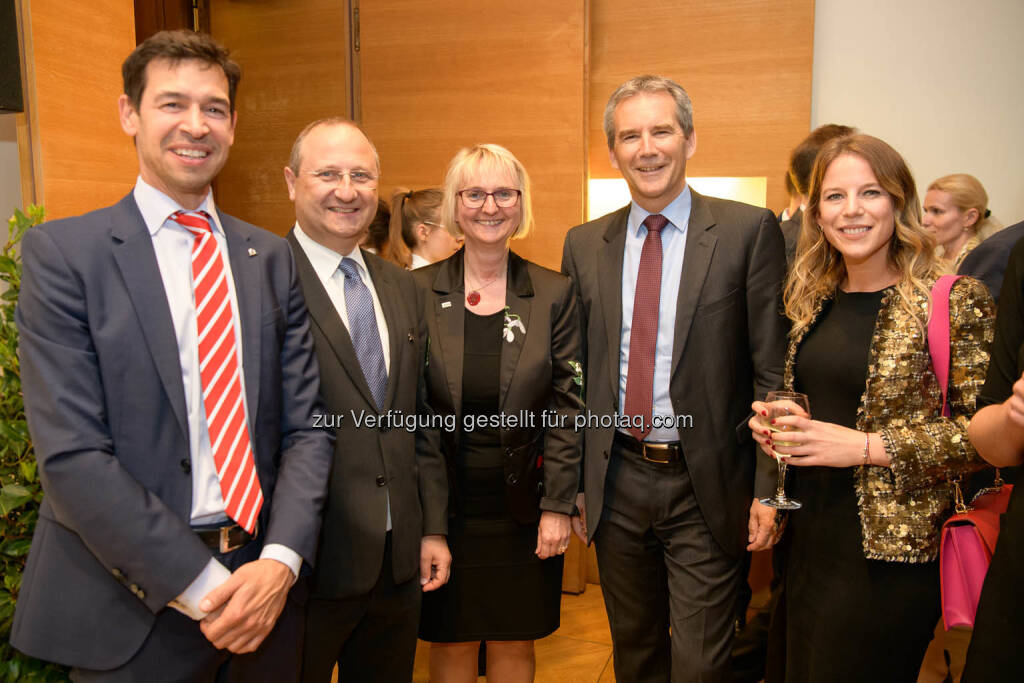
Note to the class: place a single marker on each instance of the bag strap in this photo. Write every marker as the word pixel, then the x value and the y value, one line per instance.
pixel 938 334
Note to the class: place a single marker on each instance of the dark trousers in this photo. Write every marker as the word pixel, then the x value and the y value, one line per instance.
pixel 660 568
pixel 372 637
pixel 176 650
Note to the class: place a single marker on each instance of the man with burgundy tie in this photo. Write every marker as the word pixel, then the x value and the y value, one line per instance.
pixel 680 298
pixel 171 390
pixel 386 517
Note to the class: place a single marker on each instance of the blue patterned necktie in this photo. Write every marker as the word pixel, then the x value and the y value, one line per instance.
pixel 362 327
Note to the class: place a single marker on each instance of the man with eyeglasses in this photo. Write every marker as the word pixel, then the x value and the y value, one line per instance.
pixel 680 294
pixel 383 540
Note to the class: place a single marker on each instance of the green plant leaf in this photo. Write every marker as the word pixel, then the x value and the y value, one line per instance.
pixel 13 496
pixel 16 548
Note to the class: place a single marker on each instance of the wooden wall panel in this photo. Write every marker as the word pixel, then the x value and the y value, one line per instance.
pixel 295 64
pixel 745 63
pixel 78 158
pixel 440 75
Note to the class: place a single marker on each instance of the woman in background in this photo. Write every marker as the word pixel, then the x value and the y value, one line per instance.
pixel 861 593
pixel 416 237
pixel 504 341
pixel 956 213
pixel 376 240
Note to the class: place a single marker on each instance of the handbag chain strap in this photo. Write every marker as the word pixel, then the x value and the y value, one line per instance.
pixel 960 505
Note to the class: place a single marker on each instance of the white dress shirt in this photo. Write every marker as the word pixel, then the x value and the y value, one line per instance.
pixel 673 244
pixel 173 246
pixel 326 262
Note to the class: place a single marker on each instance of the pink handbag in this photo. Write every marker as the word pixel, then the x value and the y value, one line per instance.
pixel 969 536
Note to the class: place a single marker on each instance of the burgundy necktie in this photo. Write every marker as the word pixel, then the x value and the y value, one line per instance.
pixel 643 335
pixel 219 373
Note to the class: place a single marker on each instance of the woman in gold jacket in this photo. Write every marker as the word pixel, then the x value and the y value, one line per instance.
pixel 872 468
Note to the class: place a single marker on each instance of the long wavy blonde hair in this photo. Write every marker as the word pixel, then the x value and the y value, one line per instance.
pixel 818 268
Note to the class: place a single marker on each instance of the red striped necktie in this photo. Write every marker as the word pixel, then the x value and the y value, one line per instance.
pixel 219 373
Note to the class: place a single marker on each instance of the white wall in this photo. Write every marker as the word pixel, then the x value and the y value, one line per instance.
pixel 942 81
pixel 10 175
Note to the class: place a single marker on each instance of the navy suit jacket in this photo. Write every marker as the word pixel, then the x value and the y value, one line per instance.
pixel 106 410
pixel 988 260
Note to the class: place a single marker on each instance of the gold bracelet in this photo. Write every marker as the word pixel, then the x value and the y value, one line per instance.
pixel 867 455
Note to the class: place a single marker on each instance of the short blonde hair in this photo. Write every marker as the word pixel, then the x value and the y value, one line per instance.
pixel 473 161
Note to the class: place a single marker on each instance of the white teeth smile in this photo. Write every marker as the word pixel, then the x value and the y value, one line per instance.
pixel 853 231
pixel 191 153
pixel 490 223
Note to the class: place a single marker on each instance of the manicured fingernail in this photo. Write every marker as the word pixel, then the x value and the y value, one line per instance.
pixel 765 413
pixel 773 422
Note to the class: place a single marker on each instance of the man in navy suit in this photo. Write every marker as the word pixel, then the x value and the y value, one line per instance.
pixel 170 388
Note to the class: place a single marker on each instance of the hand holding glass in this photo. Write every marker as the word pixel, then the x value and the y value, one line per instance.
pixel 779 403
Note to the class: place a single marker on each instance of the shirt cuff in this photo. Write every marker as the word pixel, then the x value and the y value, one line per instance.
pixel 213 575
pixel 284 555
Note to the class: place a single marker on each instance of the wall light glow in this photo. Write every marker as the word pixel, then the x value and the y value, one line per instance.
pixel 605 195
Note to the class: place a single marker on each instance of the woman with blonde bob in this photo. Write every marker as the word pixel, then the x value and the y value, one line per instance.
pixel 504 351
pixel 956 213
pixel 417 237
pixel 872 468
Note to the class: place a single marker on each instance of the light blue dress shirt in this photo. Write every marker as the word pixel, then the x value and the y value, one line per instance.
pixel 673 243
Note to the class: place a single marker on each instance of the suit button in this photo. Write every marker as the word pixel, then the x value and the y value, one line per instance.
pixel 508 452
pixel 186 466
pixel 512 479
pixel 381 480
pixel 117 572
pixel 142 594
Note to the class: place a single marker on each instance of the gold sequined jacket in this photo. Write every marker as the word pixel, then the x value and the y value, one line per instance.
pixel 902 507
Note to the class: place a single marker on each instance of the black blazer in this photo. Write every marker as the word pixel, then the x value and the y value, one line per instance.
pixel 366 458
pixel 539 372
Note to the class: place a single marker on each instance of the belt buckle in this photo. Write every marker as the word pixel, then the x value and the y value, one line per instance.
pixel 644 447
pixel 224 544
pixel 224 540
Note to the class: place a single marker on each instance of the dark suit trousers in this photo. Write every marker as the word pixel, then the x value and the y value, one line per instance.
pixel 176 650
pixel 660 567
pixel 372 637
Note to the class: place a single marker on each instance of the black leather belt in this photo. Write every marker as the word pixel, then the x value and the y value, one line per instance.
pixel 661 453
pixel 226 538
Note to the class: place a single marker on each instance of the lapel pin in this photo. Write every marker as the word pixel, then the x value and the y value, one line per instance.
pixel 446 304
pixel 252 252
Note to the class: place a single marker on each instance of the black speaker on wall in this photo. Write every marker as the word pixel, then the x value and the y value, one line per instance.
pixel 10 62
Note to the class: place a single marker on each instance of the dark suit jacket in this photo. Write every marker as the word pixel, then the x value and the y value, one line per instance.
pixel 791 233
pixel 537 374
pixel 729 345
pixel 988 260
pixel 106 410
pixel 366 459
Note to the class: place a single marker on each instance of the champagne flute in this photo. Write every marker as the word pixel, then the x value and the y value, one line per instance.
pixel 781 403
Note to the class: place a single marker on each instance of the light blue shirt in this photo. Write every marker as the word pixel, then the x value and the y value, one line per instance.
pixel 673 243
pixel 173 246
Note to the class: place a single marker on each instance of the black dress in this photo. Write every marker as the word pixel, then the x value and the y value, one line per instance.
pixel 499 589
pixel 995 650
pixel 846 618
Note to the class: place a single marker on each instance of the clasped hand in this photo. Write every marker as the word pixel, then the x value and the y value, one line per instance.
pixel 244 609
pixel 816 443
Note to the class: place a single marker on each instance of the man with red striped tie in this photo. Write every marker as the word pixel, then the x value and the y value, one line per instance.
pixel 172 392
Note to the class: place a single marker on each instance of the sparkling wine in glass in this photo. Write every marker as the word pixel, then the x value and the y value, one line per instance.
pixel 781 403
